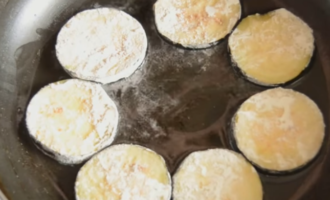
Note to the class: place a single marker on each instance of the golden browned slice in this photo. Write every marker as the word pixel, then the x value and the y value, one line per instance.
pixel 72 120
pixel 216 174
pixel 279 129
pixel 196 23
pixel 272 49
pixel 127 172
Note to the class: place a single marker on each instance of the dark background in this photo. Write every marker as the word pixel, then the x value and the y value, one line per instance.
pixel 3 3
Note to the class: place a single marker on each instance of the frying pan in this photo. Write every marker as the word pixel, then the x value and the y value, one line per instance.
pixel 179 100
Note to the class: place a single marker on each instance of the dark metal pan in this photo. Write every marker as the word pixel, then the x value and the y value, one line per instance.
pixel 179 101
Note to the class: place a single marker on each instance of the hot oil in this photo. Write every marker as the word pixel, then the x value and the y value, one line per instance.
pixel 179 101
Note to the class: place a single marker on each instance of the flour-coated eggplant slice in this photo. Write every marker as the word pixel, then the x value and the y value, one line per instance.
pixel 196 23
pixel 216 174
pixel 101 45
pixel 72 120
pixel 279 130
pixel 129 172
pixel 272 49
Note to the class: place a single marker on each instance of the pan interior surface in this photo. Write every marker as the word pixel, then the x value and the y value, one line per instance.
pixel 177 102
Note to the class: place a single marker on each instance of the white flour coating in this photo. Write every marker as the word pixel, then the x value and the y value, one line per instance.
pixel 102 45
pixel 216 174
pixel 279 129
pixel 272 49
pixel 196 23
pixel 72 119
pixel 124 172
